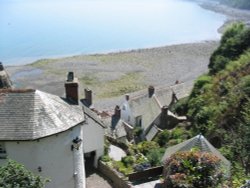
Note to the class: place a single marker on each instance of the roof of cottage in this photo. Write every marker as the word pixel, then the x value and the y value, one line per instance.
pixel 150 107
pixel 33 114
pixel 152 133
pixel 91 114
pixel 145 106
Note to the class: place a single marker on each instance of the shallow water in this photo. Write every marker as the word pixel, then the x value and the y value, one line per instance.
pixel 30 29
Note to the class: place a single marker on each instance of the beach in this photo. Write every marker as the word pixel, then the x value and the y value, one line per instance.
pixel 112 75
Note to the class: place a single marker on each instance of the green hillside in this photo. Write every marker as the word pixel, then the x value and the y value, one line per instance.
pixel 219 105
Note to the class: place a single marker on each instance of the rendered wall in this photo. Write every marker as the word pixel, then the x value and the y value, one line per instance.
pixel 53 154
pixel 93 138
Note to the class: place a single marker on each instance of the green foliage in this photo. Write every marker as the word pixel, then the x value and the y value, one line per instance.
pixel 154 156
pixel 163 137
pixel 169 138
pixel 180 107
pixel 238 177
pixel 234 42
pixel 14 175
pixel 105 158
pixel 145 146
pixel 120 166
pixel 137 131
pixel 219 103
pixel 128 161
pixel 193 170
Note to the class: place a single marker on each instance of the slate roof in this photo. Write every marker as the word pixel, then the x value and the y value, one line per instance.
pixel 33 114
pixel 120 129
pixel 91 114
pixel 148 108
pixel 152 133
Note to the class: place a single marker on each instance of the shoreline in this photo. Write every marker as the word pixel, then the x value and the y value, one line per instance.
pixel 111 75
pixel 232 15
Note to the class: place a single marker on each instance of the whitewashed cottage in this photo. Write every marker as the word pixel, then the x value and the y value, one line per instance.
pixel 150 110
pixel 52 136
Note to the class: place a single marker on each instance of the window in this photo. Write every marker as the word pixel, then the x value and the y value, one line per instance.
pixel 138 120
pixel 3 154
pixel 124 107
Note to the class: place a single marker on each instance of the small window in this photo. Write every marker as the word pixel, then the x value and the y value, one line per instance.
pixel 124 107
pixel 3 153
pixel 138 121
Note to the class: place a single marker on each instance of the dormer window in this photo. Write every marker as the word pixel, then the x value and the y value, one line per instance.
pixel 3 153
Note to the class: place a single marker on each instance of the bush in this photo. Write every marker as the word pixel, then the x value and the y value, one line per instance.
pixel 234 42
pixel 128 161
pixel 180 107
pixel 192 170
pixel 105 158
pixel 154 156
pixel 145 146
pixel 122 168
pixel 162 138
pixel 15 175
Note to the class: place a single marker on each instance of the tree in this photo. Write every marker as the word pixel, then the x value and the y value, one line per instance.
pixel 13 175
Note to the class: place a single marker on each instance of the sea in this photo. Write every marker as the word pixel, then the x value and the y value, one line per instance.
pixel 38 29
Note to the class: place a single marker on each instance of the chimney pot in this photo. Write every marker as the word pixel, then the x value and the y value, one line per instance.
pixel 71 88
pixel 127 97
pixel 151 91
pixel 88 96
pixel 117 111
pixel 70 77
pixel 164 109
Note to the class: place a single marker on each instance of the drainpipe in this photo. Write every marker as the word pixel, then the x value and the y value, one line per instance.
pixel 79 167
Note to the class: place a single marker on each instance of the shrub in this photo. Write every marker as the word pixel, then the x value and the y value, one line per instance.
pixel 154 156
pixel 105 158
pixel 128 161
pixel 122 168
pixel 192 169
pixel 15 175
pixel 162 138
pixel 145 146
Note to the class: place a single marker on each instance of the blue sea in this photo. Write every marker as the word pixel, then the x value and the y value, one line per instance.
pixel 34 29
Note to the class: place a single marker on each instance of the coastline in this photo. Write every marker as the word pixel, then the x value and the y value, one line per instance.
pixel 113 74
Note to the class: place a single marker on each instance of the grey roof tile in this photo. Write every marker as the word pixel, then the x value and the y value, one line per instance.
pixel 33 114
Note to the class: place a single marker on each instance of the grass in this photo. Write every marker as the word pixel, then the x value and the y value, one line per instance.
pixel 41 63
pixel 126 84
pixel 89 80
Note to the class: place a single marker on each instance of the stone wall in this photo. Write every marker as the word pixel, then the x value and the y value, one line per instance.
pixel 116 180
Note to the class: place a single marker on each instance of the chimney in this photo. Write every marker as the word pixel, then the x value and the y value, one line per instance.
pixel 127 97
pixel 117 111
pixel 164 117
pixel 88 96
pixel 1 66
pixel 71 88
pixel 151 91
pixel 164 110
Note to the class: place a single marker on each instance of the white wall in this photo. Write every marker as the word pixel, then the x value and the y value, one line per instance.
pixel 126 114
pixel 55 157
pixel 93 138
